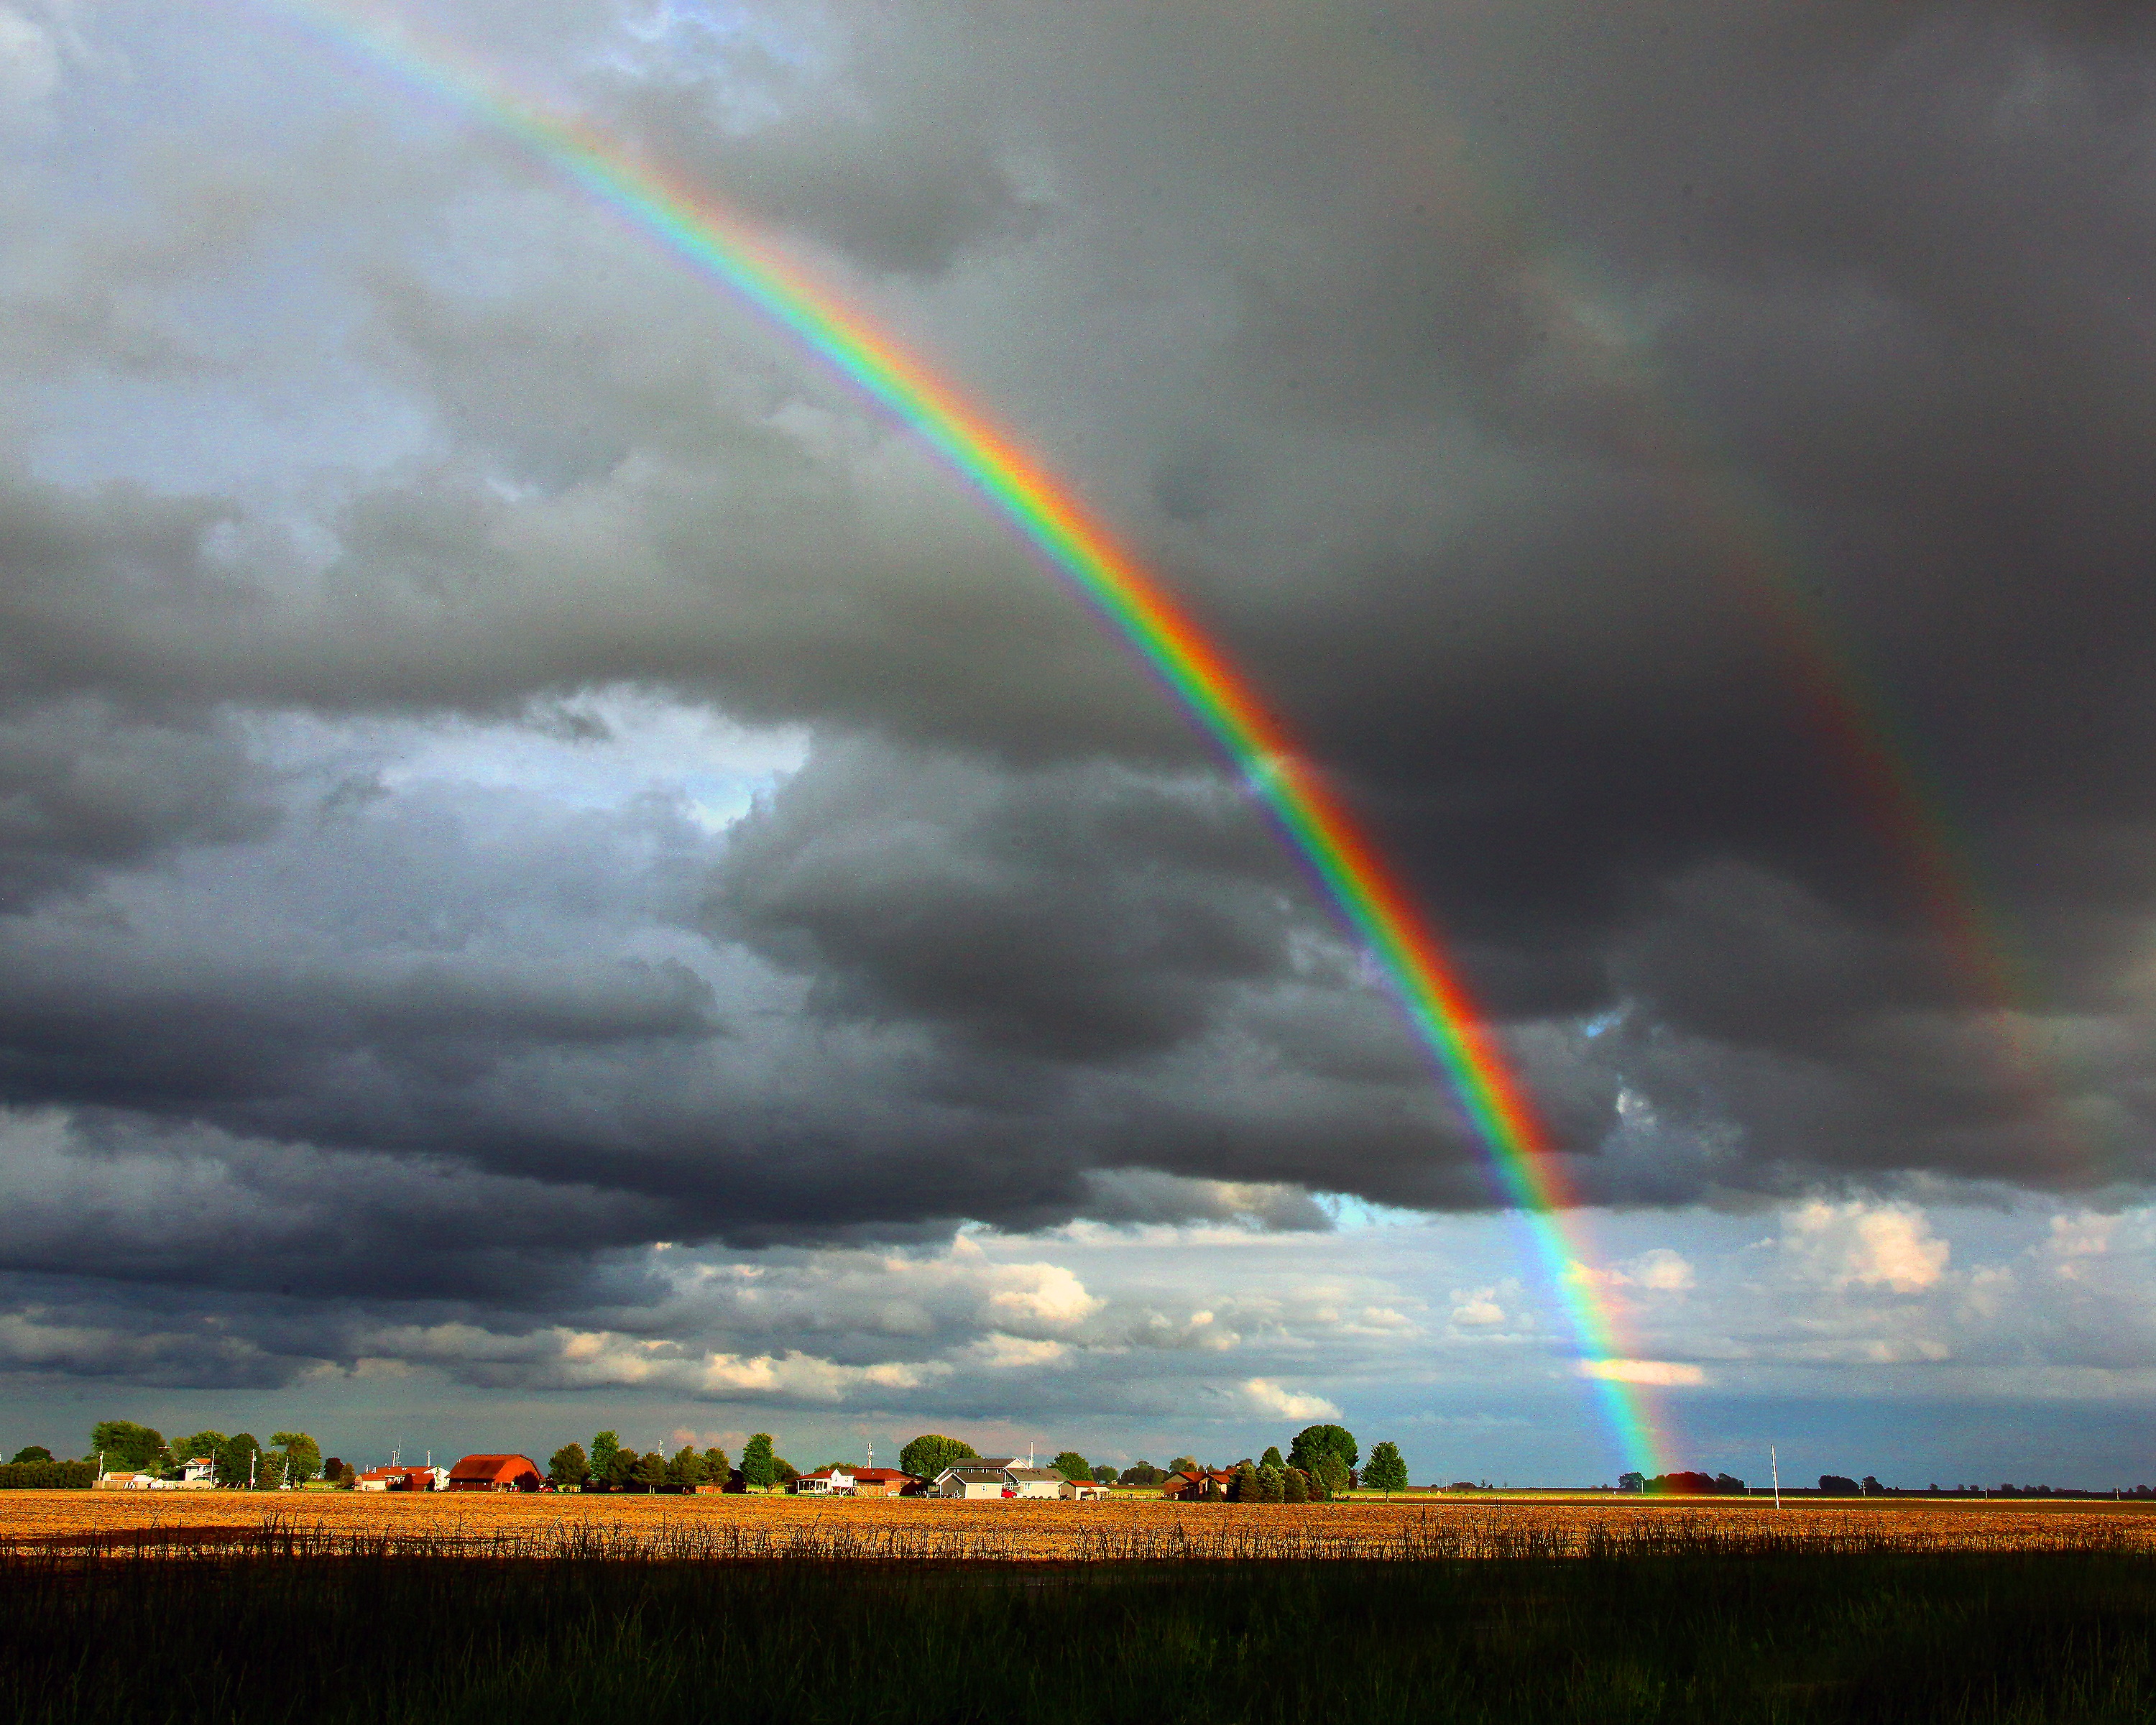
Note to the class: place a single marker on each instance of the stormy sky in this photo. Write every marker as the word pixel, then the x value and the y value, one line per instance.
pixel 556 870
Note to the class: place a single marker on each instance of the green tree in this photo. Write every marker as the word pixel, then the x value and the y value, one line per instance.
pixel 1142 1473
pixel 686 1470
pixel 237 1463
pixel 651 1469
pixel 33 1452
pixel 1294 1486
pixel 1272 1457
pixel 1104 1475
pixel 1183 1463
pixel 717 1469
pixel 621 1470
pixel 1246 1488
pixel 759 1466
pixel 198 1445
pixel 125 1445
pixel 1072 1465
pixel 568 1466
pixel 1215 1492
pixel 1387 1472
pixel 1272 1485
pixel 604 1448
pixel 783 1471
pixel 929 1454
pixel 302 1455
pixel 347 1477
pixel 1313 1440
pixel 1331 1476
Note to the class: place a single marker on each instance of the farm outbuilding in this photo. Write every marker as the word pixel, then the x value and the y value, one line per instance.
pixel 401 1479
pixel 497 1473
pixel 839 1480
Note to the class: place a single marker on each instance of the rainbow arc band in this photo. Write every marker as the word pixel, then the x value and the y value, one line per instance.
pixel 1363 889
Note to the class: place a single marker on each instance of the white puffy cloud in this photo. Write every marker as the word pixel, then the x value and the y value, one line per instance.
pixel 1267 1397
pixel 1870 1246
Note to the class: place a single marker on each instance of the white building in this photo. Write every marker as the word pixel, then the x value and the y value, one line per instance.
pixel 1035 1481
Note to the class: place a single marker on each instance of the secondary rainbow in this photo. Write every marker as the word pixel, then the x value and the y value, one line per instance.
pixel 1364 888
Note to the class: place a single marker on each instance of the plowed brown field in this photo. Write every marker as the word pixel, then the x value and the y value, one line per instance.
pixel 1145 1527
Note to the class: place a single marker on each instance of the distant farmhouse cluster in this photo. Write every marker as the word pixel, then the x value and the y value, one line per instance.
pixel 126 1456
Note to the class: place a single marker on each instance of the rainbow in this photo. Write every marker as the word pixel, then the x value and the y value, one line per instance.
pixel 1363 889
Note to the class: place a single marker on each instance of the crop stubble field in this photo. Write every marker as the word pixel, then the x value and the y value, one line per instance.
pixel 778 1527
pixel 339 1609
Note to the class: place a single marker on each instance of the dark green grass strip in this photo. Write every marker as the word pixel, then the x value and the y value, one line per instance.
pixel 253 1638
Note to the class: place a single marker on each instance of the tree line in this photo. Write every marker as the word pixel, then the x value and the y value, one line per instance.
pixel 610 1466
pixel 122 1446
pixel 1321 1465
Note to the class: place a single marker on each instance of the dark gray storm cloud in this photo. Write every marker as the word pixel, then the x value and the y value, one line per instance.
pixel 1498 383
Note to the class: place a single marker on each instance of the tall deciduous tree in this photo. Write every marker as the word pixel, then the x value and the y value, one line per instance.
pixel 125 1445
pixel 1072 1465
pixel 1314 1440
pixel 1387 1472
pixel 237 1462
pixel 302 1456
pixel 759 1466
pixel 604 1448
pixel 717 1469
pixel 568 1466
pixel 931 1452
pixel 686 1470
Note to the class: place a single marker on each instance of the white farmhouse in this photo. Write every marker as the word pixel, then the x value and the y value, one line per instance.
pixel 977 1477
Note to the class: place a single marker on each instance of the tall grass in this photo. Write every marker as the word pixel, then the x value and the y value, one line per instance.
pixel 280 1623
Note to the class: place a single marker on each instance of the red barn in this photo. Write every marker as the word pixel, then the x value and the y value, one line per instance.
pixel 497 1473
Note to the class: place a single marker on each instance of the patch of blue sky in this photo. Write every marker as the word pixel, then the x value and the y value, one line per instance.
pixel 1350 1214
pixel 602 750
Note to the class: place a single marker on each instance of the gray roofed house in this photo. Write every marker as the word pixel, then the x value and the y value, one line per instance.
pixel 979 1478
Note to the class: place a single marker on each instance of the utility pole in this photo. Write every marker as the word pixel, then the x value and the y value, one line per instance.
pixel 1774 1461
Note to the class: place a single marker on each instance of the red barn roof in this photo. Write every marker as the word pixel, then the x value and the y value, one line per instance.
pixel 493 1469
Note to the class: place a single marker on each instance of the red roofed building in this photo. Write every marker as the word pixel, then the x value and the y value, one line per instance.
pixel 401 1479
pixel 497 1473
pixel 840 1480
pixel 881 1481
